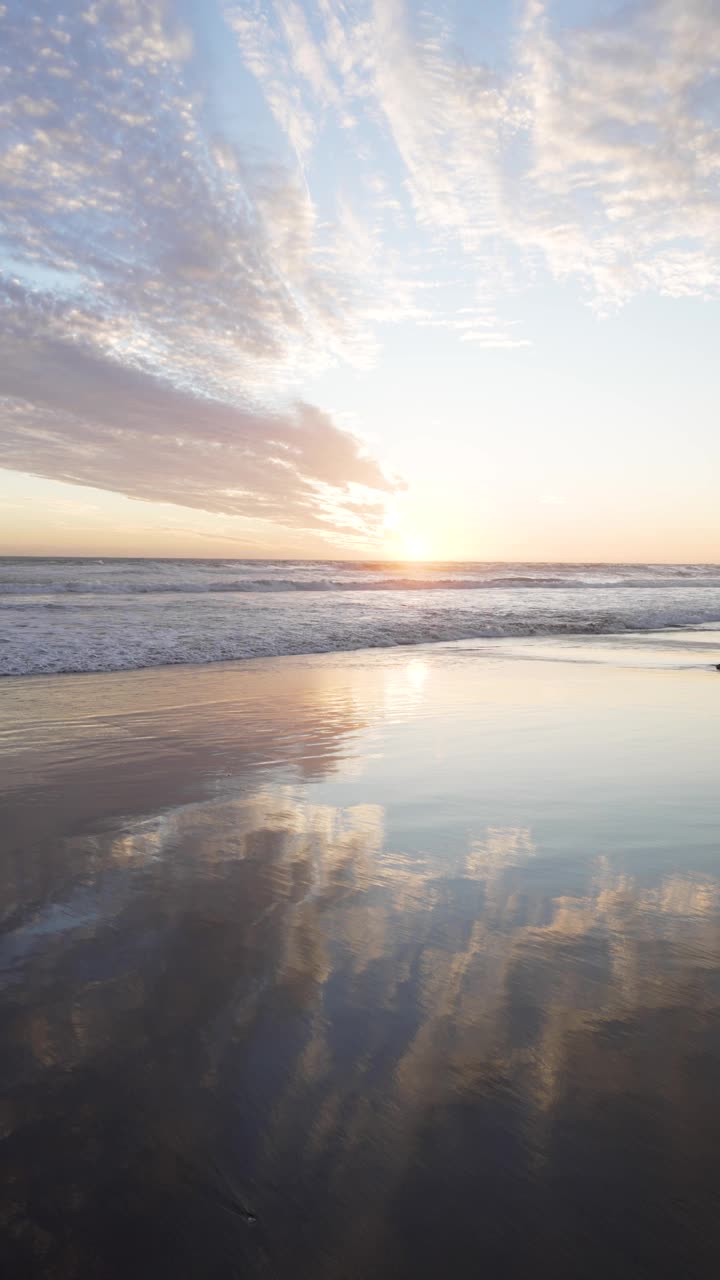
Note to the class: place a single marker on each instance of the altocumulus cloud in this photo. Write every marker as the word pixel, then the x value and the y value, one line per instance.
pixel 160 286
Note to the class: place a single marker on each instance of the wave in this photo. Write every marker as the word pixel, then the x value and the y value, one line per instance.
pixel 88 616
pixel 318 585
pixel 150 647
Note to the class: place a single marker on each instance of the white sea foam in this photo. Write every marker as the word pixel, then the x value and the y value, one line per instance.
pixel 88 615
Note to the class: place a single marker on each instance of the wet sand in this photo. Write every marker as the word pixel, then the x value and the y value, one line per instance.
pixel 388 964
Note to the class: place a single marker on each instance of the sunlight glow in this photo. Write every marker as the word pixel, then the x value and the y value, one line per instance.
pixel 416 548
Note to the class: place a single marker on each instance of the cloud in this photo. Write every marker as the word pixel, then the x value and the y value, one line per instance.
pixel 623 117
pixel 163 286
pixel 443 114
pixel 372 72
pixel 263 53
pixel 588 146
pixel 75 415
pixel 168 286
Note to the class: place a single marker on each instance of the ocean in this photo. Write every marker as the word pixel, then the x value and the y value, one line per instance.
pixel 72 615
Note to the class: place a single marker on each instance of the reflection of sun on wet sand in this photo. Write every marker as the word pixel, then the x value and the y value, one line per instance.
pixel 362 966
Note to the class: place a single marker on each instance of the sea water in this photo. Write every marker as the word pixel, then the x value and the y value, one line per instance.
pixel 60 615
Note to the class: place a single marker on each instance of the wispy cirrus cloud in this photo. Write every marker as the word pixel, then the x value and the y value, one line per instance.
pixel 589 146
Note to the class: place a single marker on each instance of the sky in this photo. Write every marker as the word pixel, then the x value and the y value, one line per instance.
pixel 350 278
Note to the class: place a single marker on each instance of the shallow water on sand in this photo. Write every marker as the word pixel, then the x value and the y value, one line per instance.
pixel 400 964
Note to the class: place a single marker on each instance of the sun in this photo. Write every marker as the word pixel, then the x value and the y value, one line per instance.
pixel 416 547
pixel 406 543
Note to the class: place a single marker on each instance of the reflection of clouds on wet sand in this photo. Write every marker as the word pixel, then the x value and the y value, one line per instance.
pixel 101 749
pixel 251 1030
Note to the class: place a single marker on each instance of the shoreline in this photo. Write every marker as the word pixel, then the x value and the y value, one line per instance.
pixel 117 616
pixel 694 635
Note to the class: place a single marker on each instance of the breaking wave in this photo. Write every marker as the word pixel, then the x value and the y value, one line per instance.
pixel 107 627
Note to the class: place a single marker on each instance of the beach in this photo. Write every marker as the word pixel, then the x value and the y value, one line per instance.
pixel 390 963
pixel 359 640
